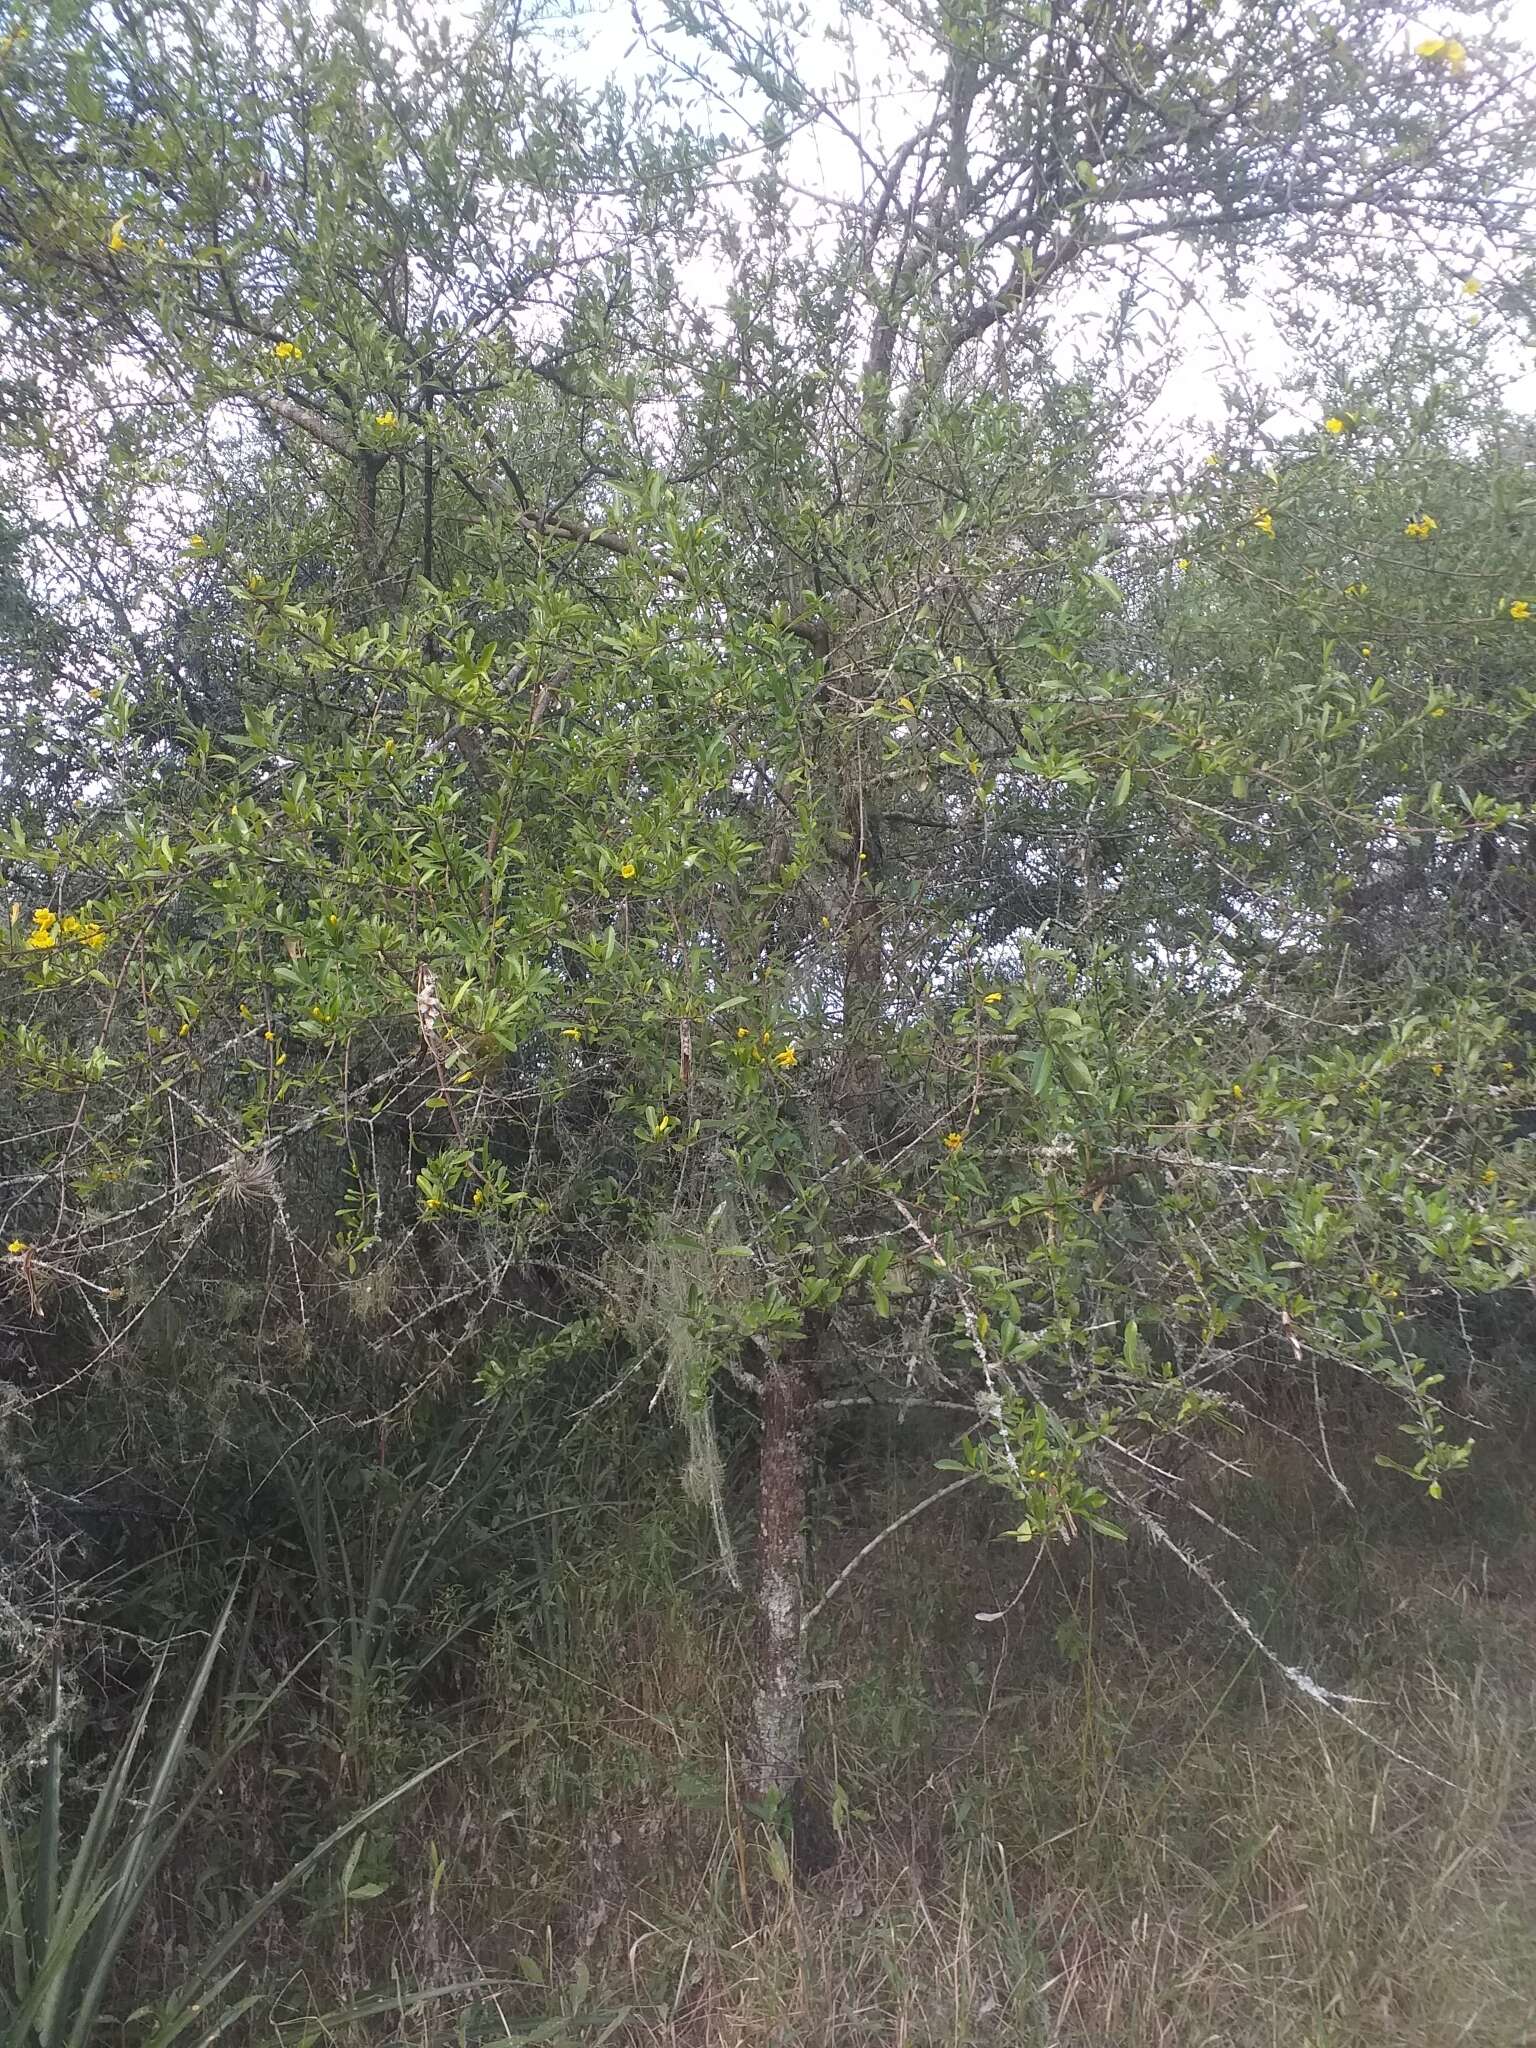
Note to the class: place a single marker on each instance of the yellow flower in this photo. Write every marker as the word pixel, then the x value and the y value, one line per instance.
pixel 1437 711
pixel 1442 50
pixel 70 927
pixel 41 941
pixel 385 419
pixel 1182 562
pixel 993 995
pixel 478 1197
pixel 270 1037
pixel 742 1031
pixel 1237 1092
pixel 1471 286
pixel 784 1057
pixel 288 352
pixel 1438 1067
pixel 45 919
pixel 953 1141
pixel 95 938
pixel 1520 609
pixel 627 871
pixel 1422 527
pixel 16 1246
pixel 1489 1176
pixel 1333 424
pixel 571 1031
pixel 196 542
pixel 1264 520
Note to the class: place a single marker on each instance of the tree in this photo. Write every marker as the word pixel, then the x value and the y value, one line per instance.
pixel 756 816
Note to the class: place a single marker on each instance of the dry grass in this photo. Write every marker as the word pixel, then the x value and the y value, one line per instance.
pixel 1195 1872
pixel 1095 1824
pixel 1098 1825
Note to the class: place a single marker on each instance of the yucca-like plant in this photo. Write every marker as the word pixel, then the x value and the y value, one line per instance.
pixel 70 1904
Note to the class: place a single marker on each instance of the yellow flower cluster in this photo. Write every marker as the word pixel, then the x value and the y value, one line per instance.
pixel 1334 425
pixel 785 1058
pixel 48 929
pixel 385 419
pixel 1422 527
pixel 1264 520
pixel 1443 50
pixel 288 352
pixel 1521 608
pixel 953 1140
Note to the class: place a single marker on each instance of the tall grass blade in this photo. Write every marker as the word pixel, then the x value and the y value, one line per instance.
pixel 146 1845
pixel 273 1896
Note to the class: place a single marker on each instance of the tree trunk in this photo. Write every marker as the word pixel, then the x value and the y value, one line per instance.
pixel 778 1710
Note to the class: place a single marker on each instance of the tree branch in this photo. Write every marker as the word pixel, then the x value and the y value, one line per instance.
pixel 874 1543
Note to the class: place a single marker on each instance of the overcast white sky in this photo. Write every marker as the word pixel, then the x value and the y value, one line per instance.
pixel 1222 347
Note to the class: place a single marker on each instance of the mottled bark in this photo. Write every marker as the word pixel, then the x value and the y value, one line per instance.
pixel 779 1706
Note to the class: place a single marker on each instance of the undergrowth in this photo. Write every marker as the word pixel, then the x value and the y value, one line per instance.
pixel 1092 1818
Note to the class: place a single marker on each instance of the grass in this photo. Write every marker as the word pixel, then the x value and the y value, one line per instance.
pixel 1102 1823
pixel 1183 1869
pixel 1096 1823
pixel 72 1900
